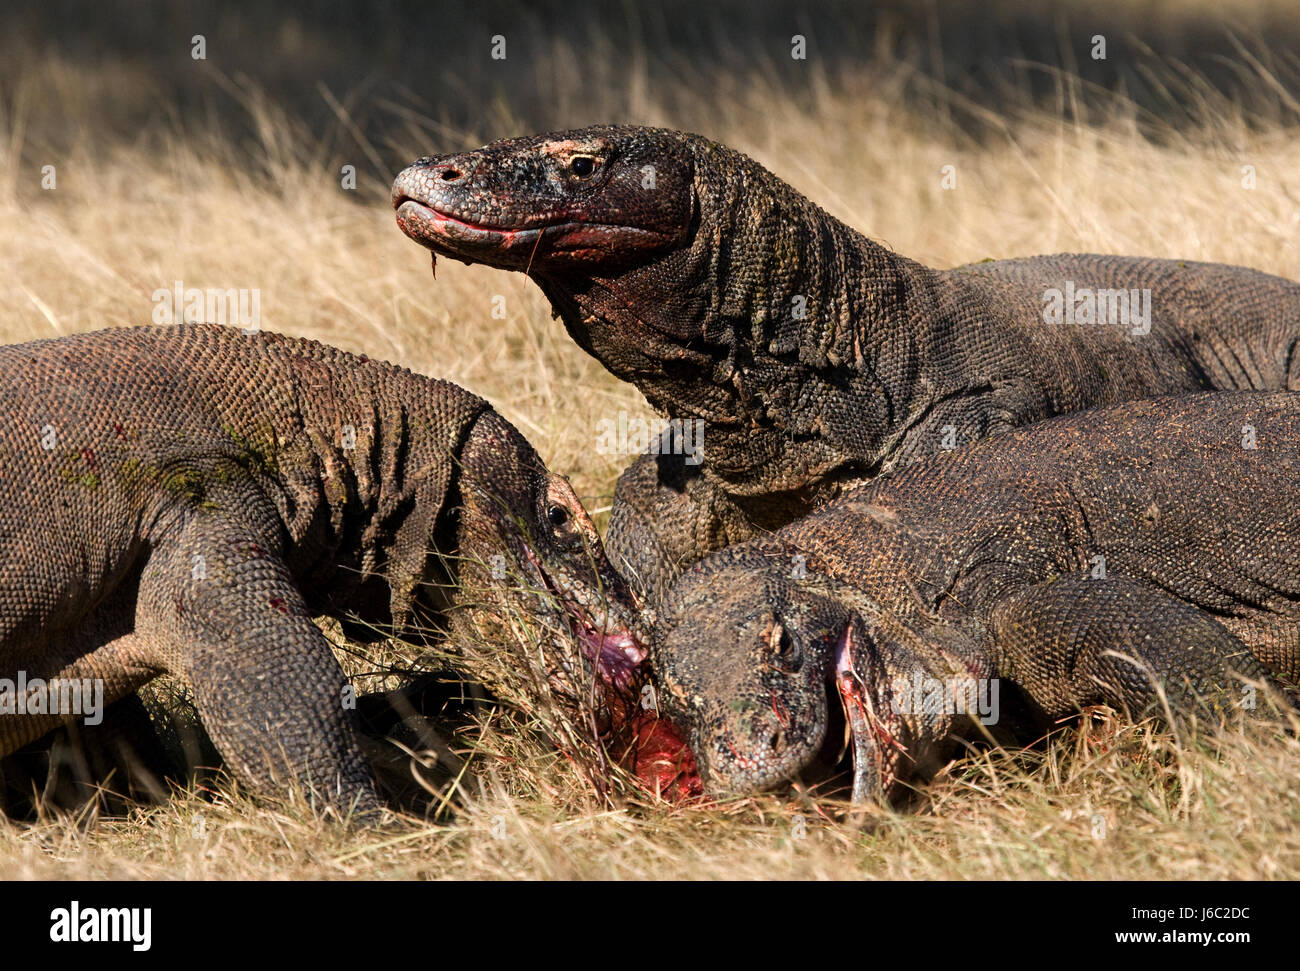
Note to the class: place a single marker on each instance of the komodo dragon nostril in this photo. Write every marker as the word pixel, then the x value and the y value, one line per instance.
pixel 450 174
pixel 777 740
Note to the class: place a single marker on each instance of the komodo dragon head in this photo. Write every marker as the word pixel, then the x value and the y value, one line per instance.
pixel 527 548
pixel 687 269
pixel 756 667
pixel 577 203
pixel 644 240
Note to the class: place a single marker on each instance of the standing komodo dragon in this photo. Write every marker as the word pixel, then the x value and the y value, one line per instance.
pixel 185 499
pixel 815 356
pixel 1086 560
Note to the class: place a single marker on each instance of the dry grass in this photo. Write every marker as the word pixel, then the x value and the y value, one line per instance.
pixel 1120 803
pixel 133 215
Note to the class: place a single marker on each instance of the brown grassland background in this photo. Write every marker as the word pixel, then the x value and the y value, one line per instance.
pixel 225 173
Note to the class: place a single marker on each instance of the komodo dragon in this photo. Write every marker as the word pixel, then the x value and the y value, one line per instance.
pixel 185 499
pixel 1084 560
pixel 815 356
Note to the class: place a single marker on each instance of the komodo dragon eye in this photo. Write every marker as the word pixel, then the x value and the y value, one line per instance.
pixel 582 166
pixel 787 653
pixel 557 516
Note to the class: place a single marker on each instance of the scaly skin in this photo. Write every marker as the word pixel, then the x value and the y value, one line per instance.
pixel 185 499
pixel 816 357
pixel 982 564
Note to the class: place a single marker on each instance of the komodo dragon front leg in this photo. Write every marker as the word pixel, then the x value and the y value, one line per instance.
pixel 217 607
pixel 1122 642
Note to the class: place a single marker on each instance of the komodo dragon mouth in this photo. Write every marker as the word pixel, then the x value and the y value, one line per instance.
pixel 512 247
pixel 613 649
pixel 853 732
pixel 852 736
pixel 656 751
pixel 866 734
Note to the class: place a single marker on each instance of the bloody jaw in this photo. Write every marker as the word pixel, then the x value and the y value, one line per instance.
pixel 614 651
pixel 655 750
